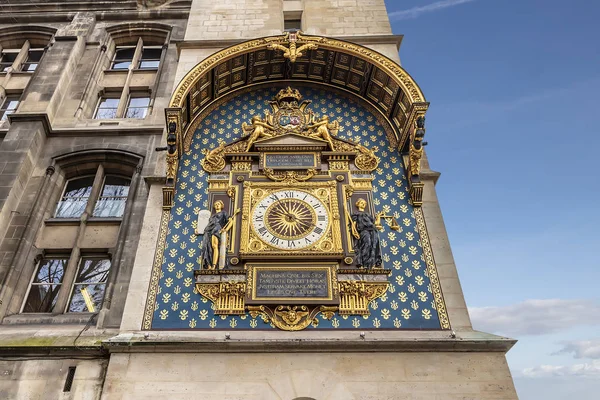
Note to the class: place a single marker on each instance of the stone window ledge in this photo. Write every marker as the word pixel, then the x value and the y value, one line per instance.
pixel 62 221
pixel 42 318
pixel 104 221
pixel 91 221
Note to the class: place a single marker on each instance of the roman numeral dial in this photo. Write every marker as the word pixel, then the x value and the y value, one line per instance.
pixel 290 219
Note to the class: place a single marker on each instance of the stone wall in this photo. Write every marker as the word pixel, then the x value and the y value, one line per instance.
pixel 346 17
pixel 320 376
pixel 45 379
pixel 54 118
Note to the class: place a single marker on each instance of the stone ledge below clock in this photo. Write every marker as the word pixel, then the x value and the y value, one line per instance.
pixel 306 341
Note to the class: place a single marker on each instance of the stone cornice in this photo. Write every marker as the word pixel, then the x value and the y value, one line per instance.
pixel 106 130
pixel 338 341
pixel 7 17
pixel 219 44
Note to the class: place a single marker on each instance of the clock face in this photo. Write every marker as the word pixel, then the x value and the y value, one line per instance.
pixel 290 219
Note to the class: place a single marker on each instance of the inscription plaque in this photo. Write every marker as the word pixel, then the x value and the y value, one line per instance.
pixel 270 284
pixel 293 283
pixel 290 160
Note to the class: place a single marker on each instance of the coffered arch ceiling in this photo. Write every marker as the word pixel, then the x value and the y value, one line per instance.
pixel 344 65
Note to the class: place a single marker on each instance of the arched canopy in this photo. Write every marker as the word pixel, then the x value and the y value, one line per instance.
pixel 15 36
pixel 151 33
pixel 344 65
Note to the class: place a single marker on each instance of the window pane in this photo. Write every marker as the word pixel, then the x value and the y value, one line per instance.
pixel 93 271
pixel 7 61
pixel 149 64
pixel 106 113
pixel 115 186
pixel 81 187
pixel 34 55
pixel 139 102
pixel 51 271
pixel 151 53
pixel 124 53
pixel 45 285
pixel 88 291
pixel 33 58
pixel 121 64
pixel 139 113
pixel 150 58
pixel 108 102
pixel 138 107
pixel 107 108
pixel 292 25
pixel 29 67
pixel 75 198
pixel 71 208
pixel 41 298
pixel 110 207
pixel 9 106
pixel 113 197
pixel 87 298
pixel 123 58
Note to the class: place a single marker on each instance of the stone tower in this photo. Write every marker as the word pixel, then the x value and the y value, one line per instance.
pixel 223 200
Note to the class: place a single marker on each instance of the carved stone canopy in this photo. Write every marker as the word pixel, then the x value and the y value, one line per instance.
pixel 336 63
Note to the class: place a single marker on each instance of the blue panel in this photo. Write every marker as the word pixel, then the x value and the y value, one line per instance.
pixel 409 303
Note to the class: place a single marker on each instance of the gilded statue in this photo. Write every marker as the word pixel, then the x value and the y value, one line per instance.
pixel 416 147
pixel 293 51
pixel 256 130
pixel 218 224
pixel 321 130
pixel 366 160
pixel 364 228
pixel 214 161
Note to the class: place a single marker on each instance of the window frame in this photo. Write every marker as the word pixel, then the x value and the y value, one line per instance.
pixel 74 283
pixel 5 112
pixel 100 194
pixel 137 96
pixel 120 60
pixel 107 97
pixel 141 60
pixel 36 270
pixel 62 195
pixel 26 62
pixel 8 51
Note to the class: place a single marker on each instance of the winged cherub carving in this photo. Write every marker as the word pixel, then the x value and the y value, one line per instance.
pixel 293 52
pixel 257 130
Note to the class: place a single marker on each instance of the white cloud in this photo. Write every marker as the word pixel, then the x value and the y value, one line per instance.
pixel 536 317
pixel 582 349
pixel 416 11
pixel 587 370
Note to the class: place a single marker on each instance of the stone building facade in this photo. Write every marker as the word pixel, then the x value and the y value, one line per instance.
pixel 91 188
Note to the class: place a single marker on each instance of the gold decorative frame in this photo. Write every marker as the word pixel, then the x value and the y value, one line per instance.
pixel 254 268
pixel 156 270
pixel 418 106
pixel 263 160
pixel 333 232
pixel 436 288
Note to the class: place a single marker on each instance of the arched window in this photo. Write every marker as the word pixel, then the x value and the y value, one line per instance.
pixel 21 51
pixel 73 281
pixel 138 50
pixel 97 182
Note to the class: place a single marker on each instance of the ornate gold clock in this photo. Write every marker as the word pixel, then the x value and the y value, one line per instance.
pixel 290 219
pixel 285 220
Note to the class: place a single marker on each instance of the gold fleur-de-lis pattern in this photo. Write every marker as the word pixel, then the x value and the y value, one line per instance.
pixel 410 302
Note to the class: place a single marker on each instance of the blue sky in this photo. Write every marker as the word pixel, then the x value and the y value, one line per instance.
pixel 514 128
